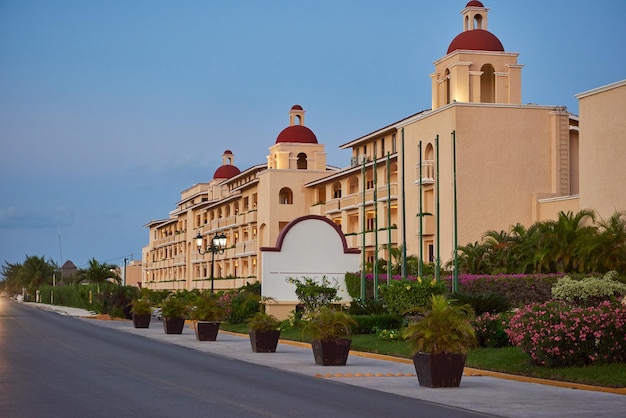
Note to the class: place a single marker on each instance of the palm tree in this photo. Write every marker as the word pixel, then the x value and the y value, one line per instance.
pixel 99 273
pixel 609 252
pixel 37 271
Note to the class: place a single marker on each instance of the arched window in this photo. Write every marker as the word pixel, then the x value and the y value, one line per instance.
pixel 478 21
pixel 488 84
pixel 336 190
pixel 285 197
pixel 302 161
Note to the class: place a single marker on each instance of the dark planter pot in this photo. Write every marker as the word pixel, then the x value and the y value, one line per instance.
pixel 173 325
pixel 264 341
pixel 439 370
pixel 331 352
pixel 141 320
pixel 206 331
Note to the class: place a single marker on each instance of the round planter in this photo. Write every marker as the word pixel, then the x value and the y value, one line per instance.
pixel 206 331
pixel 439 370
pixel 331 352
pixel 173 325
pixel 264 341
pixel 141 320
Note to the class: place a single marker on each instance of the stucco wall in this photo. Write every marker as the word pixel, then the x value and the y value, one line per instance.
pixel 310 246
pixel 603 149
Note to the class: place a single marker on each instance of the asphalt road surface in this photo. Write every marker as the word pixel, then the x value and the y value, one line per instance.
pixel 58 366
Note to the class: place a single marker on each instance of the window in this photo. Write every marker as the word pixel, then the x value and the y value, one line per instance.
pixel 285 197
pixel 336 190
pixel 488 84
pixel 302 163
pixel 393 144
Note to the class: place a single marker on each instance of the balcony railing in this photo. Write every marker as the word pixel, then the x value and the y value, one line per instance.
pixel 428 172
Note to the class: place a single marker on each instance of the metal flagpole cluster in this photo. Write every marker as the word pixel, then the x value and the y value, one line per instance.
pixel 455 278
pixel 388 220
pixel 437 213
pixel 375 169
pixel 420 266
pixel 403 271
pixel 363 233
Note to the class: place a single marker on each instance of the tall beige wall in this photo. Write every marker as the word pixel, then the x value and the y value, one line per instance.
pixel 603 148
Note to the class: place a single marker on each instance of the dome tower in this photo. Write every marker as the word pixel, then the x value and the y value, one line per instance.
pixel 296 146
pixel 476 67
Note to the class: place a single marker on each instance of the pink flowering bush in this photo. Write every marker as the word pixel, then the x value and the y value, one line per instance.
pixel 556 334
pixel 491 329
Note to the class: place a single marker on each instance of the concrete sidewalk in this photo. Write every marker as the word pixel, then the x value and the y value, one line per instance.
pixel 490 393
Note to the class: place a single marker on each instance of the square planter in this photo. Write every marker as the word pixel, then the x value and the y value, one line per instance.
pixel 439 370
pixel 141 320
pixel 206 331
pixel 331 352
pixel 173 325
pixel 264 341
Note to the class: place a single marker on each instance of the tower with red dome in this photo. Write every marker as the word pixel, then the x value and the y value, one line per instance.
pixel 476 68
pixel 296 147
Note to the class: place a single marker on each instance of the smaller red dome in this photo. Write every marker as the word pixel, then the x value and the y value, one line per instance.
pixel 226 172
pixel 297 134
pixel 296 107
pixel 476 40
pixel 474 3
pixel 228 152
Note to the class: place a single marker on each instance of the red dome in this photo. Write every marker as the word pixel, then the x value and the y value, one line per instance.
pixel 226 172
pixel 296 107
pixel 474 3
pixel 297 133
pixel 228 152
pixel 476 40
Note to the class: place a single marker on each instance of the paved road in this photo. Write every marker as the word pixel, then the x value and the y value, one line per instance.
pixel 59 366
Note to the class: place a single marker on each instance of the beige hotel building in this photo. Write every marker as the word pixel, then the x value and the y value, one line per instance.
pixel 510 162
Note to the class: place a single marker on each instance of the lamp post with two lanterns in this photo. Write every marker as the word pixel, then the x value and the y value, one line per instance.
pixel 217 245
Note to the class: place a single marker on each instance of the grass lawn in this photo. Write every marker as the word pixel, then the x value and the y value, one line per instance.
pixel 509 360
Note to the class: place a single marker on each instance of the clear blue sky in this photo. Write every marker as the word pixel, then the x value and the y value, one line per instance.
pixel 110 108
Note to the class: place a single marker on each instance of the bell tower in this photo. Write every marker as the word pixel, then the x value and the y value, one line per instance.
pixel 476 68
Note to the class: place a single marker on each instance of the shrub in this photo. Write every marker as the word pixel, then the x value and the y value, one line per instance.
pixel 314 295
pixel 390 334
pixel 519 289
pixel 491 329
pixel 483 302
pixel 588 291
pixel 555 334
pixel 327 324
pixel 369 324
pixel 367 307
pixel 241 305
pixel 404 296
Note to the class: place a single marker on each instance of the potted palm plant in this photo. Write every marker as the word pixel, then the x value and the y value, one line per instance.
pixel 329 331
pixel 207 313
pixel 141 311
pixel 173 310
pixel 264 332
pixel 440 342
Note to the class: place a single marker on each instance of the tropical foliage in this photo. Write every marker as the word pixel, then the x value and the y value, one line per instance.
pixel 445 328
pixel 30 275
pixel 571 243
pixel 98 273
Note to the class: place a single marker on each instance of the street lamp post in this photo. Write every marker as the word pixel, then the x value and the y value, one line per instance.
pixel 217 245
